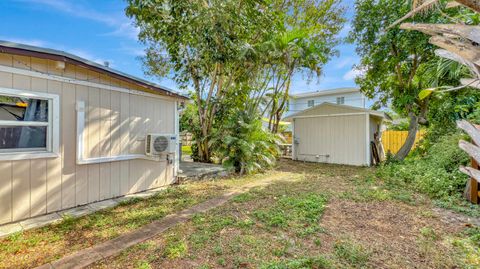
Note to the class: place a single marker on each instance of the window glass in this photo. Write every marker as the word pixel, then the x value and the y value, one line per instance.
pixel 23 137
pixel 311 103
pixel 23 109
pixel 340 100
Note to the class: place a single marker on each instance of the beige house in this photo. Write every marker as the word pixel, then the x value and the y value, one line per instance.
pixel 332 133
pixel 73 132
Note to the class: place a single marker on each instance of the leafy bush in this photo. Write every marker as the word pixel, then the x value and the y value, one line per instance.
pixel 435 173
pixel 446 109
pixel 245 146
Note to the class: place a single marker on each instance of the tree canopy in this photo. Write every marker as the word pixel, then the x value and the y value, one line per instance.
pixel 396 63
pixel 236 55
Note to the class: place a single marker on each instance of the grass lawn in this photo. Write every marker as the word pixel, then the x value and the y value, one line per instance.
pixel 38 246
pixel 328 217
pixel 312 216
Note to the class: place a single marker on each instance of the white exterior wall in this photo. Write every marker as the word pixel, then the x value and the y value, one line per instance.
pixel 355 99
pixel 343 138
pixel 341 132
pixel 115 125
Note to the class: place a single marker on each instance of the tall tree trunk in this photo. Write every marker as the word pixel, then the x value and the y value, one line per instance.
pixel 412 134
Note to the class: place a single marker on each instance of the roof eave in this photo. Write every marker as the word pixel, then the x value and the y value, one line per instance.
pixel 75 60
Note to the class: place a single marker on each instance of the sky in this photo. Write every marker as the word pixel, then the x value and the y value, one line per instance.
pixel 98 30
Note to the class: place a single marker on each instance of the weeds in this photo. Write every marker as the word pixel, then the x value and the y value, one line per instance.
pixel 351 254
pixel 175 248
pixel 310 262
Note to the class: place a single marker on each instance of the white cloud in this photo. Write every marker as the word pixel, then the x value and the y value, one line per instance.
pixel 345 62
pixel 122 25
pixel 133 50
pixel 31 42
pixel 126 29
pixel 352 74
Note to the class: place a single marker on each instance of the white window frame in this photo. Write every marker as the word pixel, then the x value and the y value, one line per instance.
pixel 341 100
pixel 308 103
pixel 53 126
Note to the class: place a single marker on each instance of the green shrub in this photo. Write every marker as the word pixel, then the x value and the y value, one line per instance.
pixel 245 146
pixel 436 173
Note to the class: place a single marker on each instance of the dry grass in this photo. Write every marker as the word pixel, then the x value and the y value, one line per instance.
pixel 39 246
pixel 328 217
pixel 311 216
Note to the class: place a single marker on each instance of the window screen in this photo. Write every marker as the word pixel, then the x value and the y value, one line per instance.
pixel 23 124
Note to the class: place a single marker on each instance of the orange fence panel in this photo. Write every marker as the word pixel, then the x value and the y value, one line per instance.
pixel 393 140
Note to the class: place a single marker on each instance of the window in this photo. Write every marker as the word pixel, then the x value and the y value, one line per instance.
pixel 340 100
pixel 28 125
pixel 311 103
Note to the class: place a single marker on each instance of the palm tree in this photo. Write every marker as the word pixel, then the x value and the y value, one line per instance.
pixel 458 45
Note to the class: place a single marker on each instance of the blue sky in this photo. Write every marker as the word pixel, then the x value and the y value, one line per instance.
pixel 99 31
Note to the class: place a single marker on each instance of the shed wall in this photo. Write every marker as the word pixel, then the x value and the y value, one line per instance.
pixel 343 138
pixel 116 124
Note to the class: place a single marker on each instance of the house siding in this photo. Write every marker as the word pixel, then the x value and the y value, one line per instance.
pixel 355 99
pixel 341 132
pixel 116 123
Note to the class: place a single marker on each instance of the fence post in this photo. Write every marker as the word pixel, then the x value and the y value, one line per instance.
pixel 473 182
pixel 474 185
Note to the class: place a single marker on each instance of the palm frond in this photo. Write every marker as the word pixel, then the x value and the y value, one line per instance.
pixel 419 6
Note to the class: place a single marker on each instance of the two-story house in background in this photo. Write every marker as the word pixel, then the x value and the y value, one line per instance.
pixel 334 126
pixel 342 96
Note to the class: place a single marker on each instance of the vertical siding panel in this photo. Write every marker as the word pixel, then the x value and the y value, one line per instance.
pixel 21 169
pixel 93 138
pixel 6 192
pixel 69 144
pixel 38 177
pixel 38 173
pixel 135 170
pixel 150 168
pixel 54 166
pixel 159 170
pixel 136 123
pixel 6 80
pixel 170 117
pixel 125 186
pixel 105 141
pixel 81 177
pixel 142 164
pixel 115 150
pixel 21 189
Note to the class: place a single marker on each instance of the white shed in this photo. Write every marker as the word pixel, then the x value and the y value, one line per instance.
pixel 331 133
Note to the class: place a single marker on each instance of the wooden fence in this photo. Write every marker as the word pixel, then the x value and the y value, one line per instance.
pixel 393 140
pixel 186 139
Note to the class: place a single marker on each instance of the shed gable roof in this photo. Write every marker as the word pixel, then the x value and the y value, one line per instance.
pixel 330 108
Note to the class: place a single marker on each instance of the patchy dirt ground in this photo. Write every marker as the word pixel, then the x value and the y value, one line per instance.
pixel 315 216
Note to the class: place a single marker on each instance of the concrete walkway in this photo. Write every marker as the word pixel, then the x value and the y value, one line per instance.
pixel 115 246
pixel 196 171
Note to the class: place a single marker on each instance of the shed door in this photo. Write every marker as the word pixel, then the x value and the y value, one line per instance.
pixel 342 138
